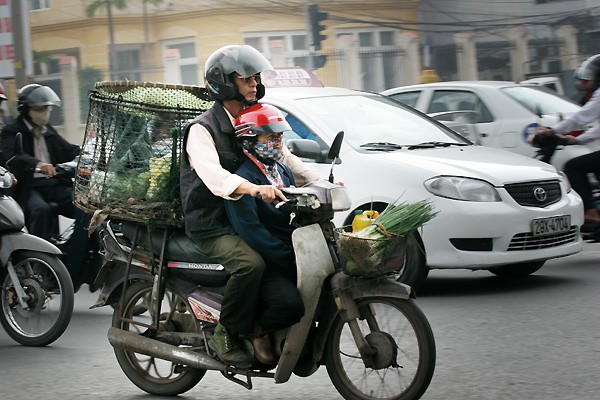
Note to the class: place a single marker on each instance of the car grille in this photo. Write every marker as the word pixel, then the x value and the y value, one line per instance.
pixel 526 241
pixel 535 194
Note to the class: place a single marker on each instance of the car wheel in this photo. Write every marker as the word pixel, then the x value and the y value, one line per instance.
pixel 517 270
pixel 415 270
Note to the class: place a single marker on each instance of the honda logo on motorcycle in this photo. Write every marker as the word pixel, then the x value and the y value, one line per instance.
pixel 540 194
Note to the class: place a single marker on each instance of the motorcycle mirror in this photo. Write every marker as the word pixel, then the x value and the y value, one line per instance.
pixel 18 143
pixel 334 151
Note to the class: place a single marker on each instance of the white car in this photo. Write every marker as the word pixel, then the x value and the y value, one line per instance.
pixel 498 210
pixel 505 111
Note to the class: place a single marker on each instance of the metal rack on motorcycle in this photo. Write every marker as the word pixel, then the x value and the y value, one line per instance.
pixel 129 167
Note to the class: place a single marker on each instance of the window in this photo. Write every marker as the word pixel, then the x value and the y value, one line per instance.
pixel 188 61
pixel 282 49
pixel 379 58
pixel 127 63
pixel 409 98
pixel 450 100
pixel 39 4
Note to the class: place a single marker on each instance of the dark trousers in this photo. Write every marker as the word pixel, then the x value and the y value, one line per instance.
pixel 280 302
pixel 577 170
pixel 246 267
pixel 253 293
pixel 39 215
pixel 42 221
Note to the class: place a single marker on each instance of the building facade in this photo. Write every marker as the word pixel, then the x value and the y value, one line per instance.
pixel 369 45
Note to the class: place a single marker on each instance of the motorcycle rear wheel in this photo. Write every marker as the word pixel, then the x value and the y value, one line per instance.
pixel 46 281
pixel 153 375
pixel 405 352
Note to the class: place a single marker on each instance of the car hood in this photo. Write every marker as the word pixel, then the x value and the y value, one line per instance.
pixel 498 167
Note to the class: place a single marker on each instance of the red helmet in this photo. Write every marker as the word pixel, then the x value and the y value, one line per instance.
pixel 2 93
pixel 260 119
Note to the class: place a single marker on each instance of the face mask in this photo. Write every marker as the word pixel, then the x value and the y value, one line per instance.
pixel 40 117
pixel 271 149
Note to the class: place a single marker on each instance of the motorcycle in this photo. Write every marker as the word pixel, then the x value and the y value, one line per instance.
pixel 373 339
pixel 36 301
pixel 89 263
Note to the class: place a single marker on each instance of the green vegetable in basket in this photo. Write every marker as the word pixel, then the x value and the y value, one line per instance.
pixel 398 220
pixel 372 250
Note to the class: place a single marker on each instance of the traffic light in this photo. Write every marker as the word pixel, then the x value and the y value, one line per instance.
pixel 314 18
pixel 319 61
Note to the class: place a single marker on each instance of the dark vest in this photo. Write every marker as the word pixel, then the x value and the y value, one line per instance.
pixel 204 213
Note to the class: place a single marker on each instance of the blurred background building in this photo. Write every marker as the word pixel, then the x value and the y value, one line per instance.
pixel 368 45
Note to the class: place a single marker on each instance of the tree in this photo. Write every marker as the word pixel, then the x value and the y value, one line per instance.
pixel 91 10
pixel 95 5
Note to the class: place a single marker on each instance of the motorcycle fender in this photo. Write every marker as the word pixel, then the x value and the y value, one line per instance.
pixel 347 289
pixel 370 287
pixel 112 276
pixel 13 241
pixel 314 264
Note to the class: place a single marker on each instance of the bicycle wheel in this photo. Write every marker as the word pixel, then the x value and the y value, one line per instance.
pixel 405 352
pixel 48 309
pixel 154 375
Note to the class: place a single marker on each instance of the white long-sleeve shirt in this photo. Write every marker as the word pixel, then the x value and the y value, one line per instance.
pixel 204 159
pixel 590 112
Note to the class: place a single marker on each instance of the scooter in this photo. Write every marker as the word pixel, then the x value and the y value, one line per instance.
pixel 36 301
pixel 89 263
pixel 373 339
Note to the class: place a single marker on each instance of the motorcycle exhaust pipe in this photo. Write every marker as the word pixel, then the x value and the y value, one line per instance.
pixel 130 341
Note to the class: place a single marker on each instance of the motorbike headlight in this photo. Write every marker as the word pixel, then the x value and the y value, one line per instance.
pixel 340 201
pixel 460 188
pixel 565 180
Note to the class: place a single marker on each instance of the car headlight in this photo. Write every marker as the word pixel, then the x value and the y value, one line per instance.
pixel 565 180
pixel 459 188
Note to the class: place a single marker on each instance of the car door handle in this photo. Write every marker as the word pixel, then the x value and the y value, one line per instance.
pixel 483 135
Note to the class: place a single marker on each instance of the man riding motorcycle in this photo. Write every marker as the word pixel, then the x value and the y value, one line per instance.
pixel 40 192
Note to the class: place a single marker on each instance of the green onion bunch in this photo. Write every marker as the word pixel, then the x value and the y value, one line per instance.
pixel 398 220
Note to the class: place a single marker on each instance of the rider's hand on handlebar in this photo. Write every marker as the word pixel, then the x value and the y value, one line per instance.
pixel 46 168
pixel 544 130
pixel 268 193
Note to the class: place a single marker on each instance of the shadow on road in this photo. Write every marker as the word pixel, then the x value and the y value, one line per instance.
pixel 489 285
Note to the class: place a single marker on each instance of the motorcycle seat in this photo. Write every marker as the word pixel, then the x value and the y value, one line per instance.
pixel 185 259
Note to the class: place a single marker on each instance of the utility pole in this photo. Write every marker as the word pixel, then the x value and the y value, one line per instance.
pixel 18 42
pixel 146 41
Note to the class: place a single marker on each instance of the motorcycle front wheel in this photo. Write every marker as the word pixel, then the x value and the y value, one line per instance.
pixel 154 375
pixel 47 311
pixel 403 346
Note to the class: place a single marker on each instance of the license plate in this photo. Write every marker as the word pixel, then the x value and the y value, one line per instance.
pixel 545 226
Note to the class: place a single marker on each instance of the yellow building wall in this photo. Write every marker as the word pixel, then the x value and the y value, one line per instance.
pixel 210 23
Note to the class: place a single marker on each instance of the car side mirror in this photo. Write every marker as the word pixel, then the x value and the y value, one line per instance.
pixel 305 148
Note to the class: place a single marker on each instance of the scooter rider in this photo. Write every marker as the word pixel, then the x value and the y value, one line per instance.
pixel 265 227
pixel 233 79
pixel 577 169
pixel 43 148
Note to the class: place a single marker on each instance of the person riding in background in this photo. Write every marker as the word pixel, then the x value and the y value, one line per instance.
pixel 265 227
pixel 578 168
pixel 39 192
pixel 207 178
pixel 4 119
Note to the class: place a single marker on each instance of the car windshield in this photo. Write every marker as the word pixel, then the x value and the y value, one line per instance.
pixel 540 101
pixel 379 122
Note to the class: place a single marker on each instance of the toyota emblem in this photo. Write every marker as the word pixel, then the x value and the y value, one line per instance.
pixel 540 194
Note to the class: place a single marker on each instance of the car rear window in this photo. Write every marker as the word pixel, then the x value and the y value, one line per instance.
pixel 540 101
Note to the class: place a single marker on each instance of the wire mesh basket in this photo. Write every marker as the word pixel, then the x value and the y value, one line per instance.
pixel 369 257
pixel 129 166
